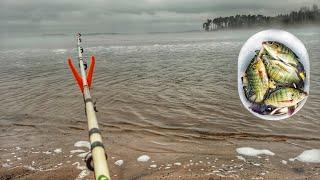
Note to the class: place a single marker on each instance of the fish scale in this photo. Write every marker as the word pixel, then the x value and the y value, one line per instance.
pixel 258 80
pixel 285 97
pixel 281 72
pixel 281 52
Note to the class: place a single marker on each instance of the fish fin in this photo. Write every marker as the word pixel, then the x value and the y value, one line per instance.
pixel 301 75
pixel 272 84
pixel 253 98
pixel 265 59
pixel 260 73
pixel 291 110
pixel 287 63
pixel 275 111
pixel 294 85
pixel 280 58
pixel 282 66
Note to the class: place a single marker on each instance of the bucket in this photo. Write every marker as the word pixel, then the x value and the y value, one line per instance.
pixel 254 43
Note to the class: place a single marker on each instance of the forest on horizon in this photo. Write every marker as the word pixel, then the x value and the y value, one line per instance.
pixel 305 15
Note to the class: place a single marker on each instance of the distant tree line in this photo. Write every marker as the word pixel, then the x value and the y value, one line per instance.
pixel 305 15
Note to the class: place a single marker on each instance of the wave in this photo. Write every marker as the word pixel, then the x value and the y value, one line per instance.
pixel 59 51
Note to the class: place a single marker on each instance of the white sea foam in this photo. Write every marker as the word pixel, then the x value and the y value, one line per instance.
pixel 47 152
pixel 59 150
pixel 82 155
pixel 241 158
pixel 159 143
pixel 30 168
pixel 248 151
pixel 308 156
pixel 77 151
pixel 284 162
pixel 83 174
pixel 143 158
pixel 84 171
pixel 82 144
pixel 6 165
pixel 59 51
pixel 153 165
pixel 78 166
pixel 119 162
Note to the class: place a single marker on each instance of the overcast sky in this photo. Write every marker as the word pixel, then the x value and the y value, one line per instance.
pixel 125 16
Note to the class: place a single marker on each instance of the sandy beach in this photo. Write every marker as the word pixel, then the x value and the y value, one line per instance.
pixel 193 156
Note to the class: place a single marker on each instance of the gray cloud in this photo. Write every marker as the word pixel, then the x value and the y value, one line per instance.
pixel 63 16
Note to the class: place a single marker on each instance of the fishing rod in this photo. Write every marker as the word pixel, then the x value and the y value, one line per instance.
pixel 96 160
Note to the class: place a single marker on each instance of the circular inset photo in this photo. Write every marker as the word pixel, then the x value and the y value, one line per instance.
pixel 273 74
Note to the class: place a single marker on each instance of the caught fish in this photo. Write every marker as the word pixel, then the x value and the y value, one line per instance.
pixel 244 79
pixel 258 80
pixel 285 97
pixel 281 52
pixel 281 72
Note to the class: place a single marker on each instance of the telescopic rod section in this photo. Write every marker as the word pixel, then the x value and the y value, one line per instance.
pixel 97 159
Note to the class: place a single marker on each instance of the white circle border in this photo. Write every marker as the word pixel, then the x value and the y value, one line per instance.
pixel 254 43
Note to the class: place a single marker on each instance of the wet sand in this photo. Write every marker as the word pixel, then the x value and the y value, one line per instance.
pixel 192 156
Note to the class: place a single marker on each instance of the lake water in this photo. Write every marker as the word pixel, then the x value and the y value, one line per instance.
pixel 181 81
pixel 172 96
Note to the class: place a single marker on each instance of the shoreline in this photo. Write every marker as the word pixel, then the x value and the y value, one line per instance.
pixel 54 155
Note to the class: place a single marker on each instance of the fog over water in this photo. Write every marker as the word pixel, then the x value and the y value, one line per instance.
pixel 125 16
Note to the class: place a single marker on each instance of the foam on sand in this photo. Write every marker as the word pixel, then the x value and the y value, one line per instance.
pixel 82 144
pixel 79 167
pixel 82 155
pixel 77 151
pixel 284 162
pixel 241 158
pixel 59 150
pixel 153 165
pixel 30 168
pixel 6 165
pixel 84 172
pixel 143 158
pixel 119 162
pixel 47 152
pixel 248 151
pixel 308 156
